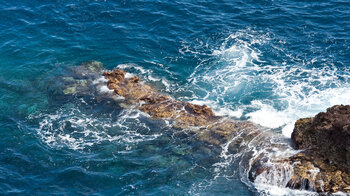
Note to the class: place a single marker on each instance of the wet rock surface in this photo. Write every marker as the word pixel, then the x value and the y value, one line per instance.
pixel 324 162
pixel 157 105
pixel 321 163
pixel 322 166
pixel 242 138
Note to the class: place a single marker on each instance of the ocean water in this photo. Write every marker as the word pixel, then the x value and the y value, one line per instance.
pixel 269 62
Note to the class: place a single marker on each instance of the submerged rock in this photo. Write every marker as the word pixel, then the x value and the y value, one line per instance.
pixel 81 78
pixel 320 163
pixel 70 90
pixel 324 163
pixel 245 139
pixel 322 166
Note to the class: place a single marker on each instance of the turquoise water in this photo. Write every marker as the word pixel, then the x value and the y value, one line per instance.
pixel 270 62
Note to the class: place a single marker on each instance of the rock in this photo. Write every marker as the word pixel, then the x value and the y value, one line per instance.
pixel 325 141
pixel 70 90
pixel 158 105
pixel 322 163
pixel 88 70
pixel 114 76
pixel 328 134
pixel 75 86
pixel 68 79
pixel 93 66
pixel 200 110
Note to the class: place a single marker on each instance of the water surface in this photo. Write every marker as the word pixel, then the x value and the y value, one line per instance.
pixel 270 62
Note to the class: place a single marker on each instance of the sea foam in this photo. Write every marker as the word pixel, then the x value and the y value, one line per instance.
pixel 273 93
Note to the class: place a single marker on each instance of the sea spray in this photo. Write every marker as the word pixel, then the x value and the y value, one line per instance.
pixel 240 76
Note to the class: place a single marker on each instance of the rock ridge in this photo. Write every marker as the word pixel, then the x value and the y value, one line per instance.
pixel 320 160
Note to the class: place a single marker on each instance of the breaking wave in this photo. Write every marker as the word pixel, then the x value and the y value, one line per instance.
pixel 245 80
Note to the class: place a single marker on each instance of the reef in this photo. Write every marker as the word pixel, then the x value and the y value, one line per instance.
pixel 198 118
pixel 320 160
pixel 158 105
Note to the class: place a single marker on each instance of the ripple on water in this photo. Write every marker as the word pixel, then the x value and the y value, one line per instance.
pixel 267 61
pixel 243 81
pixel 70 127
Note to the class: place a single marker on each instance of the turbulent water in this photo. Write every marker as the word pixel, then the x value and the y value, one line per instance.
pixel 269 62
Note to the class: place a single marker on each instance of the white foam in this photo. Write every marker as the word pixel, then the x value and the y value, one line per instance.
pixel 87 130
pixel 279 93
pixel 146 73
pixel 219 111
pixel 105 89
pixel 150 77
pixel 165 83
pixel 227 112
pixel 129 75
pixel 100 80
pixel 298 107
pixel 132 65
pixel 268 116
pixel 266 189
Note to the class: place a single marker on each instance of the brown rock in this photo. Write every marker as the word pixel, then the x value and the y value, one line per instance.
pixel 325 140
pixel 156 104
pixel 323 165
pixel 327 134
pixel 200 109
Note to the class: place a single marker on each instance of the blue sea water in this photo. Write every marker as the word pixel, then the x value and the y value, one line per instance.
pixel 269 62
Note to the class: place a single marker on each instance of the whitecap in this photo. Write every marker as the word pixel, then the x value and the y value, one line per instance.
pixel 273 94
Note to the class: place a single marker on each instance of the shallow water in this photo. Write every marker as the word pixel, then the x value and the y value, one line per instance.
pixel 270 62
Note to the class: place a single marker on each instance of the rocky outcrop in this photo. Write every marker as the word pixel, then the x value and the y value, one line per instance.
pixel 150 101
pixel 322 166
pixel 324 162
pixel 327 134
pixel 321 162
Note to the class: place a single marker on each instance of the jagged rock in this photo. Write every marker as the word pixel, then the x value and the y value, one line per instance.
pixel 328 133
pixel 158 105
pixel 322 165
pixel 200 110
pixel 325 141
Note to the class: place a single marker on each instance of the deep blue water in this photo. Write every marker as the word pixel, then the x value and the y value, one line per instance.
pixel 270 62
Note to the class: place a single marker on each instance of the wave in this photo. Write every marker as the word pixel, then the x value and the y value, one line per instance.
pixel 71 127
pixel 252 76
pixel 79 126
